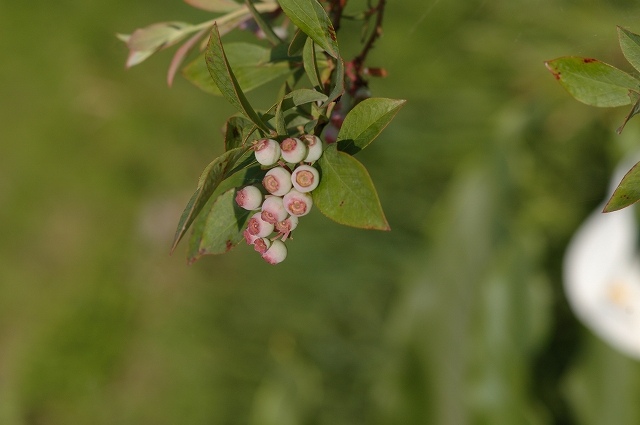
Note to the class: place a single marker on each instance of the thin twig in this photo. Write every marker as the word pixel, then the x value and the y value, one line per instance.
pixel 358 62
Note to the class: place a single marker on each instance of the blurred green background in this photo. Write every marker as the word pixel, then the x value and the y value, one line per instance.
pixel 456 316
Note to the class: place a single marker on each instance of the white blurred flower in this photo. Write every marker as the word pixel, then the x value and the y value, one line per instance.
pixel 602 275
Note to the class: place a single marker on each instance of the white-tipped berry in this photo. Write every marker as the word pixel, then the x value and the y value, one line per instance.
pixel 249 198
pixel 314 147
pixel 267 151
pixel 305 178
pixel 293 150
pixel 276 253
pixel 297 203
pixel 331 133
pixel 258 227
pixel 273 210
pixel 277 181
pixel 284 228
pixel 261 245
pixel 249 237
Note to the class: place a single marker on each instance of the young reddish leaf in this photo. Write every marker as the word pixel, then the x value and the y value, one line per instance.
pixel 209 180
pixel 630 45
pixel 346 193
pixel 365 121
pixel 310 17
pixel 627 192
pixel 181 54
pixel 214 5
pixel 157 36
pixel 226 81
pixel 593 82
pixel 246 60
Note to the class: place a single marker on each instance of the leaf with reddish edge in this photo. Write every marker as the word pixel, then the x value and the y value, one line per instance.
pixel 365 122
pixel 593 82
pixel 214 5
pixel 346 193
pixel 310 17
pixel 225 80
pixel 181 54
pixel 627 192
pixel 209 180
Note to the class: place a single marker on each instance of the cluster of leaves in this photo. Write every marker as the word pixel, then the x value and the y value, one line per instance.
pixel 346 193
pixel 599 84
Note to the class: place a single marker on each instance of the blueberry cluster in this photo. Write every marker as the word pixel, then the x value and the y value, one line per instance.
pixel 289 184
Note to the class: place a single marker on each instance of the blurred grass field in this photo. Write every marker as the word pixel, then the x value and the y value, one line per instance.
pixel 456 316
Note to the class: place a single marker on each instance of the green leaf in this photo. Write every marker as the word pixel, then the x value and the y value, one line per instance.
pixel 310 64
pixel 246 61
pixel 237 132
pixel 593 82
pixel 338 83
pixel 310 17
pixel 224 78
pixel 209 180
pixel 630 45
pixel 214 5
pixel 295 98
pixel 297 43
pixel 223 228
pixel 365 121
pixel 248 176
pixel 627 192
pixel 346 193
pixel 635 109
pixel 264 25
pixel 281 127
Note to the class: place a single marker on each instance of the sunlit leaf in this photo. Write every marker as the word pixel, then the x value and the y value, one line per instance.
pixel 224 78
pixel 627 192
pixel 630 45
pixel 593 82
pixel 310 17
pixel 346 193
pixel 365 121
pixel 248 66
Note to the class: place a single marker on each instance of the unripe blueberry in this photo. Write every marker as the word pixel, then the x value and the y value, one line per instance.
pixel 261 245
pixel 331 133
pixel 249 237
pixel 258 227
pixel 293 150
pixel 314 147
pixel 276 253
pixel 284 228
pixel 249 198
pixel 267 151
pixel 273 210
pixel 297 203
pixel 277 181
pixel 305 178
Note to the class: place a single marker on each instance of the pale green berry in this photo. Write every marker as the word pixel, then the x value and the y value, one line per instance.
pixel 267 151
pixel 297 203
pixel 276 253
pixel 293 150
pixel 258 227
pixel 314 147
pixel 305 178
pixel 277 181
pixel 273 210
pixel 249 198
